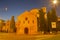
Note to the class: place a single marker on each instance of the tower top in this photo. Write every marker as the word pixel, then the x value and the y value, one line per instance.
pixel 44 9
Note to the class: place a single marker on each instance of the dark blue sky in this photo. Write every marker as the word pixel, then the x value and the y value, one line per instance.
pixel 15 7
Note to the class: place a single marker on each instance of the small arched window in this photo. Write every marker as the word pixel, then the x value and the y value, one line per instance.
pixel 26 18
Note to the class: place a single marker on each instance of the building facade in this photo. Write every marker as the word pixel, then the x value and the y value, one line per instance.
pixel 27 22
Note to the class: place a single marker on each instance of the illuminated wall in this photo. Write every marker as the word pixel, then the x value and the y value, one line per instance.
pixel 27 19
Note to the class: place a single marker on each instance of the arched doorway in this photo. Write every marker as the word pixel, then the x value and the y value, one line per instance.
pixel 26 30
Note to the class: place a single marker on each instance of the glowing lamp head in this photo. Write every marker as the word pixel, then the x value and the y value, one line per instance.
pixel 54 1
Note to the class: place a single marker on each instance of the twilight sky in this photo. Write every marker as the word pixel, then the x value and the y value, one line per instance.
pixel 9 8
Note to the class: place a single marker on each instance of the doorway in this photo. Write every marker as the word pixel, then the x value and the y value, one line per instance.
pixel 26 30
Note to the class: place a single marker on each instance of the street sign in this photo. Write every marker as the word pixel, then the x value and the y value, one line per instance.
pixel 53 24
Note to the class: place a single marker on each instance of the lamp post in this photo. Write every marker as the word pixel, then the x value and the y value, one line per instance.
pixel 54 19
pixel 54 3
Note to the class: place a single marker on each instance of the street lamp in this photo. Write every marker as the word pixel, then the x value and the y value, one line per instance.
pixel 54 22
pixel 55 1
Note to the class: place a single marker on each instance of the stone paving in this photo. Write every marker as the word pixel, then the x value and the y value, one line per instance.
pixel 13 36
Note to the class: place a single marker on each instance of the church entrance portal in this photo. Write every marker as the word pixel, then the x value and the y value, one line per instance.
pixel 26 30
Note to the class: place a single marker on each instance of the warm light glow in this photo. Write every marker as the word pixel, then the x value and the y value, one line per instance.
pixel 38 15
pixel 55 1
pixel 0 21
pixel 6 9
